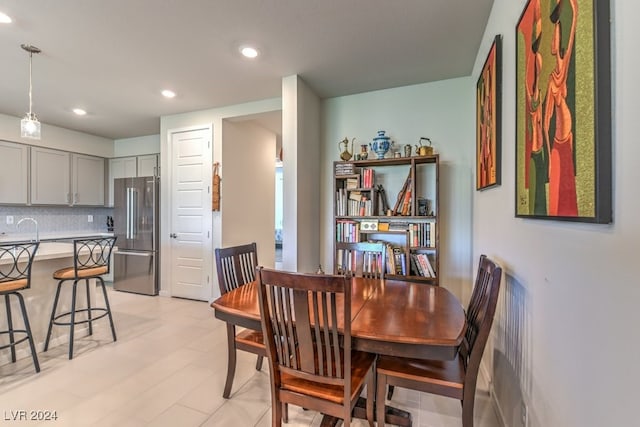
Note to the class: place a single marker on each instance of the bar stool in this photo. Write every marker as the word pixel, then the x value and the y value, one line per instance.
pixel 15 275
pixel 90 261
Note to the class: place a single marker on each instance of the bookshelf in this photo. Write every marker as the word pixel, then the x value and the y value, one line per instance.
pixel 394 201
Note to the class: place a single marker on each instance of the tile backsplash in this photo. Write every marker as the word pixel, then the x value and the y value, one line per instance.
pixel 54 219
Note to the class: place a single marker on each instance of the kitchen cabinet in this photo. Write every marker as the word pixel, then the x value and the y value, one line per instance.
pixel 131 167
pixel 14 173
pixel 87 180
pixel 121 167
pixel 63 178
pixel 148 165
pixel 50 177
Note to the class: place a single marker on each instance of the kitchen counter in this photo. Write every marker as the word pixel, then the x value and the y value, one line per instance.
pixel 47 237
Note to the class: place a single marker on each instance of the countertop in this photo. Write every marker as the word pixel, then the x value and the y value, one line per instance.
pixel 49 237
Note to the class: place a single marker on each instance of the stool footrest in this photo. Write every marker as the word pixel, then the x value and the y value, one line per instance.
pixel 83 310
pixel 15 343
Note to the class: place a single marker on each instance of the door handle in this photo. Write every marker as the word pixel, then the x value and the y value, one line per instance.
pixel 173 235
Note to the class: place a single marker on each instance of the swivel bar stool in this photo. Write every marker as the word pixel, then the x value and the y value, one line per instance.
pixel 15 276
pixel 91 261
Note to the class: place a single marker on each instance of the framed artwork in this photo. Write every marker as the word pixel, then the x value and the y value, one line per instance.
pixel 488 122
pixel 563 111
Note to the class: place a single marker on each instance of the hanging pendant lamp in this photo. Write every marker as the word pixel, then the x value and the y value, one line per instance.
pixel 30 126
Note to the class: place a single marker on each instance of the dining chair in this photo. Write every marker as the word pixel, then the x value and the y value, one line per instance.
pixel 91 259
pixel 452 378
pixel 236 267
pixel 306 322
pixel 15 276
pixel 362 259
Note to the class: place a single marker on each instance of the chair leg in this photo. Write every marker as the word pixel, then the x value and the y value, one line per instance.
pixel 468 400
pixel 231 360
pixel 10 325
pixel 259 363
pixel 106 303
pixel 390 392
pixel 73 317
pixel 285 412
pixel 27 327
pixel 276 412
pixel 53 315
pixel 380 399
pixel 89 307
pixel 371 396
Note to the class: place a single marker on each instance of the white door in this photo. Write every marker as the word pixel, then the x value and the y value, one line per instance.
pixel 190 228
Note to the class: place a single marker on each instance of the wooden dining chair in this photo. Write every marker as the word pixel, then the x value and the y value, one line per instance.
pixel 236 267
pixel 452 378
pixel 362 259
pixel 309 351
pixel 15 276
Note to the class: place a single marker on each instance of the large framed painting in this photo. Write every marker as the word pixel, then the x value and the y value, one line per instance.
pixel 563 111
pixel 488 118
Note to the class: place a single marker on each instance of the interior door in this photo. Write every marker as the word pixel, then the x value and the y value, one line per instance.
pixel 190 229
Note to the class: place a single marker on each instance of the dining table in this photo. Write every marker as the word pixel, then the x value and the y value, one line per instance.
pixel 388 317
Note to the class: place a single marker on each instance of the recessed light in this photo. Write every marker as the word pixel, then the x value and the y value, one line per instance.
pixel 79 111
pixel 5 19
pixel 249 52
pixel 168 93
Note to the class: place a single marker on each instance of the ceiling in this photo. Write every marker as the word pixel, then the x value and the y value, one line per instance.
pixel 112 58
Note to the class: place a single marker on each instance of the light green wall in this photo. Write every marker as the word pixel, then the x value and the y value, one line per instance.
pixel 442 111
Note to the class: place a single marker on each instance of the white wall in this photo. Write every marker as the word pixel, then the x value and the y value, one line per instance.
pixel 248 188
pixel 57 138
pixel 572 283
pixel 442 111
pixel 301 175
pixel 212 116
pixel 138 146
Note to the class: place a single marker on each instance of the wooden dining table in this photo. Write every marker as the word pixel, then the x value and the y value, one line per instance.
pixel 388 317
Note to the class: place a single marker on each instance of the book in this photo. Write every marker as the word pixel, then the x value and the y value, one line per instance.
pixel 422 259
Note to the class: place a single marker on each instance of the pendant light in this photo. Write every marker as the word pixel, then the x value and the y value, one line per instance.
pixel 30 126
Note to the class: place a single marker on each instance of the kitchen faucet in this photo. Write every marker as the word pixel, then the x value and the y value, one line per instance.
pixel 32 220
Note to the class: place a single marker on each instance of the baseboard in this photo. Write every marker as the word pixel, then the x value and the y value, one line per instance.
pixel 492 395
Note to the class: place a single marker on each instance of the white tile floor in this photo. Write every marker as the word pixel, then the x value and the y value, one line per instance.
pixel 168 369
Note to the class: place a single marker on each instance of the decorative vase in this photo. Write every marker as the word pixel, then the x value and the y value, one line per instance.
pixel 381 144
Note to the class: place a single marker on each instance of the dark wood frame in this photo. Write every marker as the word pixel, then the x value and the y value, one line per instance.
pixel 491 72
pixel 590 147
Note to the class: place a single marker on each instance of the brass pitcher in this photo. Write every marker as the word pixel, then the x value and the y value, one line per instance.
pixel 345 154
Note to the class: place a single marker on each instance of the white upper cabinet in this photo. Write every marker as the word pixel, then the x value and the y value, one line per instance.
pixel 148 165
pixel 121 167
pixel 87 180
pixel 14 173
pixel 50 177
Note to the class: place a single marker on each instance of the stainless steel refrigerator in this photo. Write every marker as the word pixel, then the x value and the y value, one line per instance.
pixel 136 225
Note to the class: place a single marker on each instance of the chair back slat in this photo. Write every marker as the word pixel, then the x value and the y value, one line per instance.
pixel 92 253
pixel 16 260
pixel 480 313
pixel 236 266
pixel 362 259
pixel 301 319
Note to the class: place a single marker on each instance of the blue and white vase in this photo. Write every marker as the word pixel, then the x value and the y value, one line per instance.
pixel 380 144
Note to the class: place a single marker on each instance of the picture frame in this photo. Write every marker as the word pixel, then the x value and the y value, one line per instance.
pixel 563 111
pixel 488 119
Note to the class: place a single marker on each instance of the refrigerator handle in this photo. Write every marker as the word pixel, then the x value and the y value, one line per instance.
pixel 134 212
pixel 129 213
